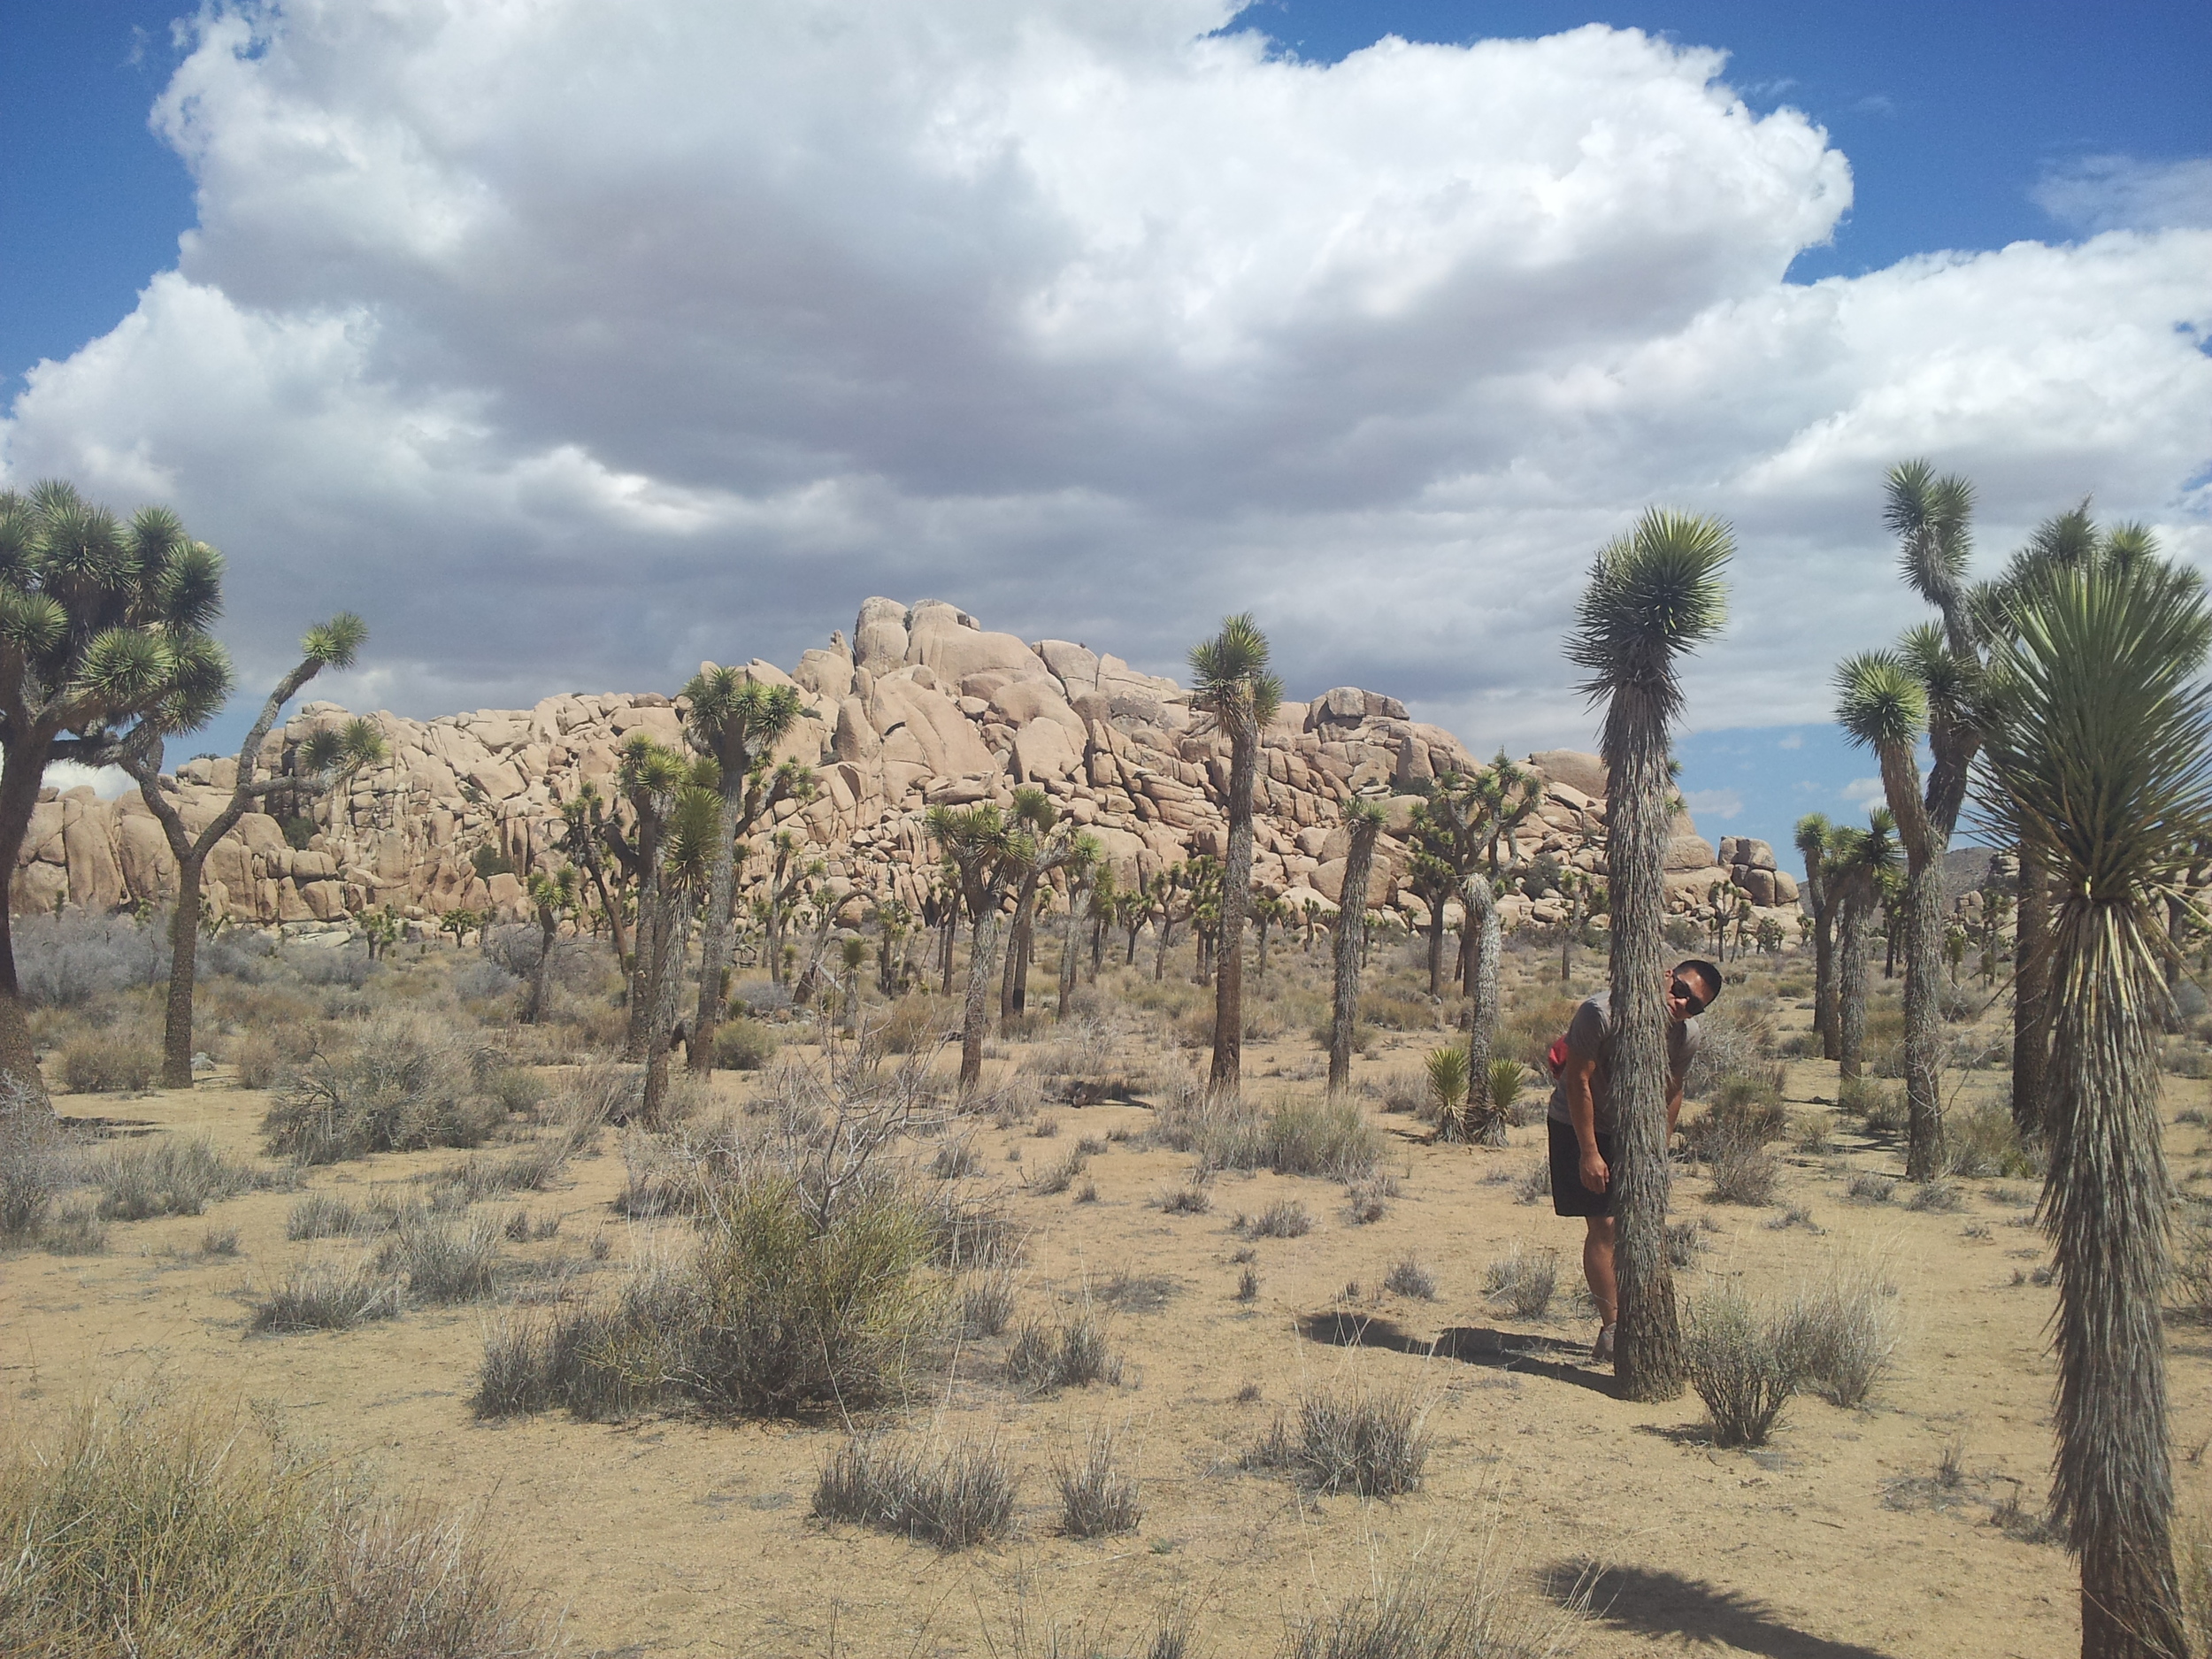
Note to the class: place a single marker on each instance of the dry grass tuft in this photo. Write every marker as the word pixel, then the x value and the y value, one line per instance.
pixel 1072 1352
pixel 324 1296
pixel 134 1532
pixel 1097 1499
pixel 959 1499
pixel 1523 1281
pixel 1347 1439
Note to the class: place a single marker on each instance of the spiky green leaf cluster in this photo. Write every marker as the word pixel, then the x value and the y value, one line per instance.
pixel 102 624
pixel 1230 674
pixel 1654 594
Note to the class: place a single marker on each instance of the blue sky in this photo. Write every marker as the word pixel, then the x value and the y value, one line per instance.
pixel 278 380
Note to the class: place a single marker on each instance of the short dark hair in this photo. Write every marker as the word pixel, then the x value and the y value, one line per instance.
pixel 1705 971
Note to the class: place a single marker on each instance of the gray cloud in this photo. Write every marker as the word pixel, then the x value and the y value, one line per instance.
pixel 571 347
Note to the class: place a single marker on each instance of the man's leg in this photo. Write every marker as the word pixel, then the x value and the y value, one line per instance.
pixel 1597 1267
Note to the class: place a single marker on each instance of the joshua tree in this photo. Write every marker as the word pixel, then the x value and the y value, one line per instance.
pixel 989 852
pixel 1268 911
pixel 1456 826
pixel 103 633
pixel 650 776
pixel 2100 766
pixel 1653 595
pixel 1435 883
pixel 321 761
pixel 790 874
pixel 585 814
pixel 737 721
pixel 554 899
pixel 1100 910
pixel 460 922
pixel 1861 863
pixel 1812 845
pixel 1013 989
pixel 1170 897
pixel 1083 869
pixel 1887 700
pixel 1231 681
pixel 1583 897
pixel 1364 819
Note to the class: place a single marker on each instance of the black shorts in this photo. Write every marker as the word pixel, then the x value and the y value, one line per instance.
pixel 1569 1195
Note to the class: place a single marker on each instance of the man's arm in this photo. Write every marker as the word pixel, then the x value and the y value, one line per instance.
pixel 1582 1113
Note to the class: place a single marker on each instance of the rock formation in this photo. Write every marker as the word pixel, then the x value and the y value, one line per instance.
pixel 924 707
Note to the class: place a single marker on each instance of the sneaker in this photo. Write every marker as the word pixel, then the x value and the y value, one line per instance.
pixel 1602 1350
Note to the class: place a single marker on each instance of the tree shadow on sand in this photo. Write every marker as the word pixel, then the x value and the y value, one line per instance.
pixel 1655 1603
pixel 1470 1344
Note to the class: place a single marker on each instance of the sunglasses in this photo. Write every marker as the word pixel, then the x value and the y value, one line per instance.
pixel 1688 993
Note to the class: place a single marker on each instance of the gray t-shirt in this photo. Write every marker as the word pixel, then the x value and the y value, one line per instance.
pixel 1590 1035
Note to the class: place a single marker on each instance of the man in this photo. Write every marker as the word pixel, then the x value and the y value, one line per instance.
pixel 1581 1121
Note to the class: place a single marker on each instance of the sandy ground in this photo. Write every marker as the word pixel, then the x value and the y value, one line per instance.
pixel 671 1536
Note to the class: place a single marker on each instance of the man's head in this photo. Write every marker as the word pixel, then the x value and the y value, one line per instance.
pixel 1691 989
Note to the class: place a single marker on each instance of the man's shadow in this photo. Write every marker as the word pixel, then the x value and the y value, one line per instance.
pixel 1654 1603
pixel 1511 1351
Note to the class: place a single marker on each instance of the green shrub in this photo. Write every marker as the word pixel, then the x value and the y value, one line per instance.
pixel 1985 1142
pixel 1743 1362
pixel 744 1045
pixel 137 1532
pixel 118 1061
pixel 168 1177
pixel 400 1084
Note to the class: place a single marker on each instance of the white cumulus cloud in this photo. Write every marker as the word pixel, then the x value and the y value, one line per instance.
pixel 574 341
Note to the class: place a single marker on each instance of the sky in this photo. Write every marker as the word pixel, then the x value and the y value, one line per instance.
pixel 575 342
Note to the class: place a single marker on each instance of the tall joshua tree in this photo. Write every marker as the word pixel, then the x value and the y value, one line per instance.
pixel 1231 681
pixel 553 898
pixel 1653 595
pixel 1084 870
pixel 988 852
pixel 1887 700
pixel 737 722
pixel 1364 819
pixel 1862 863
pixel 2099 764
pixel 321 761
pixel 103 630
pixel 1812 836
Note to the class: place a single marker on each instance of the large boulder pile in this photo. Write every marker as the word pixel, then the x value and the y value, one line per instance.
pixel 924 707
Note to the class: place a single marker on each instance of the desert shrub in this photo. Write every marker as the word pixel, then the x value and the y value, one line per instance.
pixel 1097 1499
pixel 1285 1219
pixel 402 1083
pixel 1248 1286
pixel 1529 1029
pixel 136 1532
pixel 915 1023
pixel 1939 1196
pixel 2192 1267
pixel 75 1230
pixel 219 1241
pixel 955 1158
pixel 1436 1609
pixel 168 1177
pixel 1523 1281
pixel 743 1044
pixel 347 966
pixel 255 1061
pixel 986 1302
pixel 1070 1352
pixel 1871 1189
pixel 1348 1439
pixel 36 1167
pixel 1742 1172
pixel 780 1307
pixel 598 1093
pixel 444 1263
pixel 1533 1186
pixel 66 961
pixel 1059 1176
pixel 1080 1047
pixel 119 1059
pixel 1367 1201
pixel 1326 1138
pixel 1842 1331
pixel 1743 1361
pixel 1405 1091
pixel 1985 1142
pixel 530 1169
pixel 1407 1278
pixel 1389 1010
pixel 1733 1041
pixel 1747 1107
pixel 325 1295
pixel 484 981
pixel 2192 1556
pixel 1189 1199
pixel 961 1498
pixel 1683 1243
pixel 1857 1095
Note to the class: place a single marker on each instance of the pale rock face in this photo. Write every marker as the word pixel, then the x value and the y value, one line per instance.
pixel 948 644
pixel 1586 773
pixel 1042 753
pixel 880 635
pixel 1690 852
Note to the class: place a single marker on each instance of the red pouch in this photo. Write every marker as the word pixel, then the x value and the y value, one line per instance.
pixel 1555 1057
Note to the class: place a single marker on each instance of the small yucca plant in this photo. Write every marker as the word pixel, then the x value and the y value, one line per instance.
pixel 1448 1087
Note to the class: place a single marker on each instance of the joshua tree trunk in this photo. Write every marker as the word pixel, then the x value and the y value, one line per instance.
pixel 1227 1074
pixel 1824 977
pixel 1922 918
pixel 982 960
pixel 1436 950
pixel 672 932
pixel 1853 913
pixel 945 947
pixel 1487 938
pixel 1259 951
pixel 1648 1358
pixel 1161 942
pixel 2030 1001
pixel 1351 943
pixel 541 975
pixel 1070 958
pixel 25 1088
pixel 1011 988
pixel 714 933
pixel 2106 1209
